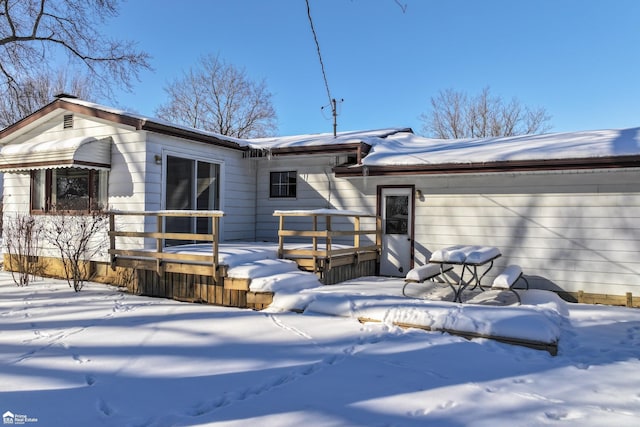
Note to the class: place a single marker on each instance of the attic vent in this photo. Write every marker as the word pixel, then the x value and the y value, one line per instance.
pixel 67 121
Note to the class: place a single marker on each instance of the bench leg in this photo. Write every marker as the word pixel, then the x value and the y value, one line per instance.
pixel 517 295
pixel 525 281
pixel 405 287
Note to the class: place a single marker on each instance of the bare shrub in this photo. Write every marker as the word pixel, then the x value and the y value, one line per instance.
pixel 78 239
pixel 21 235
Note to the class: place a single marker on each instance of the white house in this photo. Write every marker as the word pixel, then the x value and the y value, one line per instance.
pixel 565 207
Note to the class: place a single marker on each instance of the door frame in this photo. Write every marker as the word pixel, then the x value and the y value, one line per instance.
pixel 412 219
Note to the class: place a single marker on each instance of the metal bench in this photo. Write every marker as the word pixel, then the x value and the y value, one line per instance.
pixel 423 273
pixel 508 278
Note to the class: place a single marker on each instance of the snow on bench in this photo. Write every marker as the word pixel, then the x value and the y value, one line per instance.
pixel 465 254
pixel 425 272
pixel 508 278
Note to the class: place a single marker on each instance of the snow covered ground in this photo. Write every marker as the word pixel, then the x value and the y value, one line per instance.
pixel 103 357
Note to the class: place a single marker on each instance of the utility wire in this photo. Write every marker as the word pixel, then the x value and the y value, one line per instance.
pixel 324 74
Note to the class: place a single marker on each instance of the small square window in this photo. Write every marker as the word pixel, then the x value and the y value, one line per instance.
pixel 283 184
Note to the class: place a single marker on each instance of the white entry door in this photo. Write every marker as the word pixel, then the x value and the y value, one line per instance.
pixel 396 207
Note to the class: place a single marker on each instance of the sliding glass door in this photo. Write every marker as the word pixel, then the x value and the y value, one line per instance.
pixel 191 184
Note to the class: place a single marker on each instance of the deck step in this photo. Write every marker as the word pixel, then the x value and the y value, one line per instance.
pixel 262 268
pixel 291 281
pixel 268 276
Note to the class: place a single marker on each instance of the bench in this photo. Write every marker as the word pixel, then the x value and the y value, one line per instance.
pixel 425 272
pixel 508 278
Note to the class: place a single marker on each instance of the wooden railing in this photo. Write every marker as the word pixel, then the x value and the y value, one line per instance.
pixel 158 257
pixel 322 241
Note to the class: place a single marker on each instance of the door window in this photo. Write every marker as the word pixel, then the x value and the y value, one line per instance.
pixel 396 215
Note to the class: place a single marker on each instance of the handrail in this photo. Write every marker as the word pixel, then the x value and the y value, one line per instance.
pixel 327 234
pixel 159 254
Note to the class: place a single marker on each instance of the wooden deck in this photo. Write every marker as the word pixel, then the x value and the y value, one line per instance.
pixel 197 270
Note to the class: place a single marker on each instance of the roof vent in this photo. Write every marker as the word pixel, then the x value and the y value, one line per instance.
pixel 67 121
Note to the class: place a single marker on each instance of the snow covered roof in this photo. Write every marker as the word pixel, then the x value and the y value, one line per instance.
pixel 410 149
pixel 324 139
pixel 407 153
pixel 396 150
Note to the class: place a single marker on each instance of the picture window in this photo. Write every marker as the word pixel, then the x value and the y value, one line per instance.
pixel 68 190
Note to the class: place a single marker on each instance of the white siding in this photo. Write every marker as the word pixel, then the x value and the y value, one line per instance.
pixel 16 192
pixel 571 231
pixel 315 189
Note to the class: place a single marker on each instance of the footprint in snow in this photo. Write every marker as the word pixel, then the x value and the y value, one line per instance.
pixel 89 379
pixel 562 415
pixel 447 405
pixel 104 408
pixel 80 359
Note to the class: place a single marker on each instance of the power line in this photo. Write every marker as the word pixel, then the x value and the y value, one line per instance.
pixel 315 39
pixel 332 101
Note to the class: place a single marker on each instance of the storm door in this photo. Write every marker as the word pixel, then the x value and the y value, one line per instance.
pixel 396 209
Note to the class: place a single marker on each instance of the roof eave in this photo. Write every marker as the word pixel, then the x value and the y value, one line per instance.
pixel 71 107
pixel 192 135
pixel 119 118
pixel 318 149
pixel 631 161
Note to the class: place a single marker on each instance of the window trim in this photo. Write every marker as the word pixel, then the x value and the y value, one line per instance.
pixel 48 208
pixel 287 185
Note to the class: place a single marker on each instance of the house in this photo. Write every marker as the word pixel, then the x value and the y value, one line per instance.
pixel 565 207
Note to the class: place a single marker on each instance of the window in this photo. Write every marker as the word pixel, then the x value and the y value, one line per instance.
pixel 396 215
pixel 191 185
pixel 69 189
pixel 282 184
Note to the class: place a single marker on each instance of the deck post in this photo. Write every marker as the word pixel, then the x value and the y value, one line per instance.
pixel 356 234
pixel 215 224
pixel 112 239
pixel 379 234
pixel 160 229
pixel 281 237
pixel 328 242
pixel 314 240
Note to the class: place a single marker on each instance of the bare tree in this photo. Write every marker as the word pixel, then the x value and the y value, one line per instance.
pixel 218 97
pixel 455 114
pixel 37 91
pixel 33 34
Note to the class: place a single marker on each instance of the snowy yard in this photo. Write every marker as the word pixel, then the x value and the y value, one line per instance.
pixel 103 357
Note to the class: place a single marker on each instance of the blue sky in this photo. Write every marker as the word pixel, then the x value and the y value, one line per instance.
pixel 579 59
